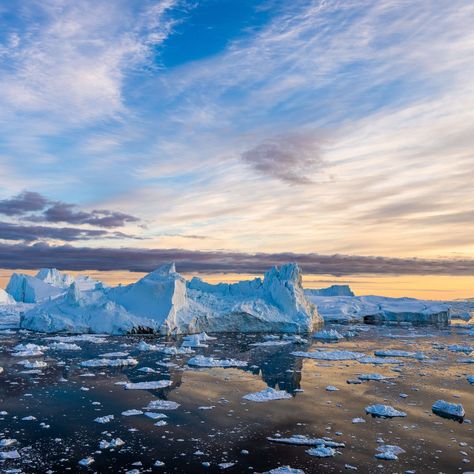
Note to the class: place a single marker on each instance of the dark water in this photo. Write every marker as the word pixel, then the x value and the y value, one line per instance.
pixel 55 398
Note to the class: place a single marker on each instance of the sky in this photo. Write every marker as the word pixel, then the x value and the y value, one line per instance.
pixel 231 135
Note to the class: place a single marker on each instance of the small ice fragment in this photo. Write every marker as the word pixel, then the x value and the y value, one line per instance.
pixel 321 452
pixel 104 419
pixel 384 411
pixel 148 385
pixel 267 395
pixel 86 461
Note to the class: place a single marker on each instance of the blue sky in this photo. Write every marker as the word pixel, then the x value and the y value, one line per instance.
pixel 244 126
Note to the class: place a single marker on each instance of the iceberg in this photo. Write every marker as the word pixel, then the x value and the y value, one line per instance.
pixel 378 309
pixel 384 411
pixel 164 302
pixel 6 298
pixel 334 290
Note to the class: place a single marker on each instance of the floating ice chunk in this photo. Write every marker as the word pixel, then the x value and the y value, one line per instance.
pixel 148 385
pixel 28 350
pixel 29 418
pixel 155 416
pixel 4 443
pixel 303 440
pixel 331 388
pixel 295 339
pixel 94 338
pixel 202 361
pixel 330 355
pixel 145 347
pixel 322 452
pixel 147 370
pixel 399 353
pixel 384 411
pixel 457 348
pixel 285 470
pixel 378 360
pixel 328 335
pixel 86 461
pixel 470 379
pixel 272 343
pixel 9 455
pixel 226 465
pixel 445 409
pixel 109 362
pixel 387 456
pixel 113 443
pixel 159 463
pixel 37 364
pixel 390 448
pixel 196 340
pixel 162 405
pixel 104 419
pixel 132 412
pixel 113 354
pixel 358 420
pixel 373 377
pixel 161 423
pixel 64 346
pixel 267 394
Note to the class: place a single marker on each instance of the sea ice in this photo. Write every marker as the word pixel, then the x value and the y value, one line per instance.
pixel 448 410
pixel 321 452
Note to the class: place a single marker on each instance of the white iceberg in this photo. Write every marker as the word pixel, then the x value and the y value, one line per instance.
pixel 163 301
pixel 328 335
pixel 109 362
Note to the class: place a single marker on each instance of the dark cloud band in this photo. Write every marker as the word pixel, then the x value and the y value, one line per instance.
pixel 67 257
pixel 34 207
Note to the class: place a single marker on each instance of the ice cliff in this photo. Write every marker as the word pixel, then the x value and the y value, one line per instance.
pixel 163 301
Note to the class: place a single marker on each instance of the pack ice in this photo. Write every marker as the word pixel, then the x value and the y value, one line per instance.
pixel 163 301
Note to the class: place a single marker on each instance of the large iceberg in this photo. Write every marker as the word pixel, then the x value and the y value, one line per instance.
pixel 374 309
pixel 6 298
pixel 47 283
pixel 163 301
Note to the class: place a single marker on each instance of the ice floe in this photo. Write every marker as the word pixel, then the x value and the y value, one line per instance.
pixel 109 362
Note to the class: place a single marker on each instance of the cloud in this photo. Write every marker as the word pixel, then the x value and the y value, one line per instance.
pixel 9 231
pixel 23 203
pixel 63 212
pixel 292 158
pixel 35 207
pixel 144 260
